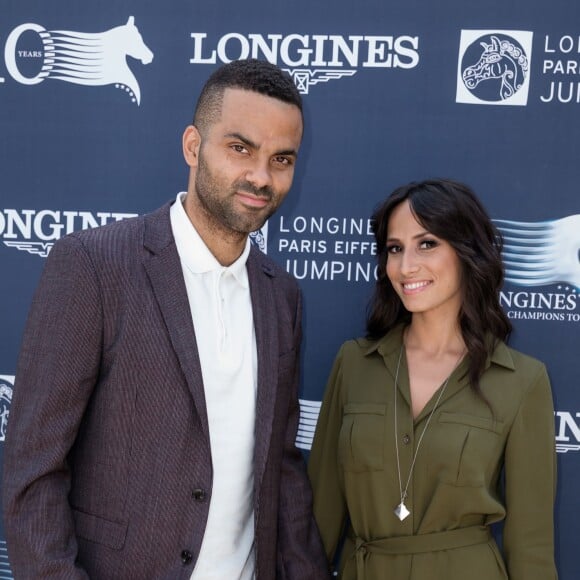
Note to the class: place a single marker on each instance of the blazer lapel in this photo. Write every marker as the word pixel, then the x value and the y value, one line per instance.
pixel 266 326
pixel 163 268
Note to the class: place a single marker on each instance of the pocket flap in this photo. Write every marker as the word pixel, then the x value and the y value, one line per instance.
pixel 367 408
pixel 472 421
pixel 100 530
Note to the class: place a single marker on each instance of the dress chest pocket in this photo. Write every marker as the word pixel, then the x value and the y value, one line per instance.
pixel 361 445
pixel 479 444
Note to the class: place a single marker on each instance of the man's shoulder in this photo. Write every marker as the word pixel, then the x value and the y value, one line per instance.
pixel 118 244
pixel 115 235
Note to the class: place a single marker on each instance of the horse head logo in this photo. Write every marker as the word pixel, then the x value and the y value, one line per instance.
pixel 503 62
pixel 117 44
pixel 132 42
pixel 92 59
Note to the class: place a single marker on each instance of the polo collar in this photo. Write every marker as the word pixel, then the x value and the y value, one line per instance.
pixel 194 253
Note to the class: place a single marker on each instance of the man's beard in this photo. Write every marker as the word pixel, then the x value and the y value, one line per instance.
pixel 221 209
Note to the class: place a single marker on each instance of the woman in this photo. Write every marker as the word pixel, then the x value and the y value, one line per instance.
pixel 421 419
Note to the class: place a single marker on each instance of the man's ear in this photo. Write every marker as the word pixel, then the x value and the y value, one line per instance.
pixel 191 144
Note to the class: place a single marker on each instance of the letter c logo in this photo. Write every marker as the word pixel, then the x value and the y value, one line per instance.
pixel 10 55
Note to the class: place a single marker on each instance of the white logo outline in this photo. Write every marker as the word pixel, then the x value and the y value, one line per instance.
pixel 505 60
pixel 309 412
pixel 567 430
pixel 36 231
pixel 41 249
pixel 541 253
pixel 259 238
pixel 6 391
pixel 304 78
pixel 90 59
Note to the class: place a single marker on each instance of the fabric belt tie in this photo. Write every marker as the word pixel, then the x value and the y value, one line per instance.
pixel 434 542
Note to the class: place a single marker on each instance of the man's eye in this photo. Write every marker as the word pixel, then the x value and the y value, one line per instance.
pixel 282 160
pixel 239 148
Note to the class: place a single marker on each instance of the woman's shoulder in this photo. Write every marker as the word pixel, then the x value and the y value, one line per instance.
pixel 517 359
pixel 518 367
pixel 354 348
pixel 364 346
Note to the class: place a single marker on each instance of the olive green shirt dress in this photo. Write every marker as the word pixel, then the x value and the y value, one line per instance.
pixel 455 490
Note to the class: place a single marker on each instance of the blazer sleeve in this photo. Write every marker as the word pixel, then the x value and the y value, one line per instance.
pixel 300 553
pixel 56 373
pixel 530 479
pixel 330 508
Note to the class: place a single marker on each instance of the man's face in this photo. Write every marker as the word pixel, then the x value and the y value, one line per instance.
pixel 245 160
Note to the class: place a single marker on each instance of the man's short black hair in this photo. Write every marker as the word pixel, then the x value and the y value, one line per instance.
pixel 254 75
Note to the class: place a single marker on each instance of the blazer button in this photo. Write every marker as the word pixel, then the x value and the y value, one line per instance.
pixel 406 439
pixel 198 495
pixel 186 557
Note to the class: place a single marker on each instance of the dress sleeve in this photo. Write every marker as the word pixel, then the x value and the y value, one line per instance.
pixel 530 476
pixel 329 501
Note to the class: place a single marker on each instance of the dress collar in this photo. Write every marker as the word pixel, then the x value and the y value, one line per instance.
pixel 390 344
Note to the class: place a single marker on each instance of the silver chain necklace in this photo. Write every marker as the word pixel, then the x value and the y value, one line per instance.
pixel 401 511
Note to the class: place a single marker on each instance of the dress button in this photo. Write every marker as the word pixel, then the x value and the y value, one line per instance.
pixel 186 557
pixel 198 495
pixel 406 439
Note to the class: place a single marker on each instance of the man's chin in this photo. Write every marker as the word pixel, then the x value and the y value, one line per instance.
pixel 247 227
pixel 253 225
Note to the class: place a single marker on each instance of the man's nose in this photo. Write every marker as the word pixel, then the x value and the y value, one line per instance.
pixel 260 174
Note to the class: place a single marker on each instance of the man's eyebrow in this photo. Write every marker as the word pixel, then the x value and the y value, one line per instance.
pixel 243 139
pixel 253 145
pixel 289 152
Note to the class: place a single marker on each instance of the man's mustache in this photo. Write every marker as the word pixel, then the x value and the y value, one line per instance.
pixel 247 187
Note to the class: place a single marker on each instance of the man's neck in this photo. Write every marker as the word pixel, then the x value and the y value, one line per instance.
pixel 225 245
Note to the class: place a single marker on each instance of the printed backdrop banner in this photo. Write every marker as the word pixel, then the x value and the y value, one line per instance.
pixel 94 98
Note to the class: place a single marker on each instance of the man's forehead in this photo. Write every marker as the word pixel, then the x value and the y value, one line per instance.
pixel 252 114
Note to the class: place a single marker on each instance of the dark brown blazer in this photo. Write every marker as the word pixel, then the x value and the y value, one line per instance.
pixel 107 463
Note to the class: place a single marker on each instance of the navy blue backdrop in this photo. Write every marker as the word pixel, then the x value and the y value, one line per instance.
pixel 487 93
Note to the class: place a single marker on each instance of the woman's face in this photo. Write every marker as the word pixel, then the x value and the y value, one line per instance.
pixel 423 269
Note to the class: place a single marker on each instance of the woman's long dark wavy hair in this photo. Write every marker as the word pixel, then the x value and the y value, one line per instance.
pixel 450 211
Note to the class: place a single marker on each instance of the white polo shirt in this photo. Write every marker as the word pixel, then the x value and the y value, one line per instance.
pixel 221 309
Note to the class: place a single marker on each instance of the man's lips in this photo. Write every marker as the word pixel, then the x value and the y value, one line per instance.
pixel 252 200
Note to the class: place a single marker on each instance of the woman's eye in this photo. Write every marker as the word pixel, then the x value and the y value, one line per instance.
pixel 427 244
pixel 393 249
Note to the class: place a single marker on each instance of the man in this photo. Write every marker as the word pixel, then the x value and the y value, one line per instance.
pixel 152 429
